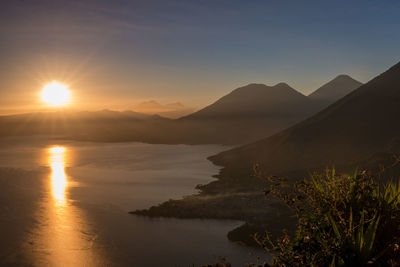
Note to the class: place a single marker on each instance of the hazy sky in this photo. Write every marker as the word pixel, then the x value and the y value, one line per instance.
pixel 116 53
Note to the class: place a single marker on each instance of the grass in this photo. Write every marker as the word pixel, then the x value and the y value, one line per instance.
pixel 342 220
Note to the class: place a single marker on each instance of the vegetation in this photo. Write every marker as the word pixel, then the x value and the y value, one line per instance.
pixel 343 220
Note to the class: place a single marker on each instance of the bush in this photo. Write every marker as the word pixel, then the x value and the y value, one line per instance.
pixel 343 220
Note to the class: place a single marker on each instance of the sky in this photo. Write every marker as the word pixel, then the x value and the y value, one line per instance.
pixel 117 53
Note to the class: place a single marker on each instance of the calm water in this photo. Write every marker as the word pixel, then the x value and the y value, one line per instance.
pixel 68 205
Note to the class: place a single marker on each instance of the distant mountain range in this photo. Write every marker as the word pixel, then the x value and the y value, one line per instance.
pixel 358 129
pixel 104 125
pixel 255 111
pixel 171 110
pixel 246 114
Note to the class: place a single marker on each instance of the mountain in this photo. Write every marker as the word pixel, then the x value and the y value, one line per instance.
pixel 359 128
pixel 246 114
pixel 334 90
pixel 104 125
pixel 256 100
pixel 106 113
pixel 171 110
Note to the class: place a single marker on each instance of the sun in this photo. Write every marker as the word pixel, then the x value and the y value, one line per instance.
pixel 55 94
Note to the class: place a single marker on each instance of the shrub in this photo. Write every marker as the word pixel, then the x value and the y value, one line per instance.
pixel 343 220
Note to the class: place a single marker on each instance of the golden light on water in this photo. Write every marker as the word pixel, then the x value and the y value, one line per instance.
pixel 58 176
pixel 55 94
pixel 63 237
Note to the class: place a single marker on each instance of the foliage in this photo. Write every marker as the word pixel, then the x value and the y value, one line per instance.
pixel 343 220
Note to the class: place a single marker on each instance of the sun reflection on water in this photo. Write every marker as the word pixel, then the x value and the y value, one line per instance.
pixel 59 182
pixel 63 235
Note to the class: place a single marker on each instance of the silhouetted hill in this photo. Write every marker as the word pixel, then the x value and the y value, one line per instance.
pixel 111 114
pixel 246 114
pixel 362 124
pixel 105 125
pixel 256 100
pixel 335 89
pixel 171 110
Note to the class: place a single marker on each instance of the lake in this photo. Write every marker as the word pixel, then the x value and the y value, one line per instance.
pixel 66 203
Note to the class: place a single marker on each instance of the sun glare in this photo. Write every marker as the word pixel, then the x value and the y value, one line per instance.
pixel 55 94
pixel 58 176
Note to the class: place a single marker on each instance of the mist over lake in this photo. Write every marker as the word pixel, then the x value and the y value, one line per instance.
pixel 84 219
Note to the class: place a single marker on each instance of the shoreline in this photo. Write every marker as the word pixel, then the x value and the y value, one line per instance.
pixel 257 212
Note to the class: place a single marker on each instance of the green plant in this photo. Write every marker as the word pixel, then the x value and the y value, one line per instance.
pixel 343 220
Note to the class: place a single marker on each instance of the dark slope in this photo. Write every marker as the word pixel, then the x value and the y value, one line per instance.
pixel 356 127
pixel 335 89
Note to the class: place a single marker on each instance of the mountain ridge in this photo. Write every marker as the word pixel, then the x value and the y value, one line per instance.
pixel 328 137
pixel 252 99
pixel 246 114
